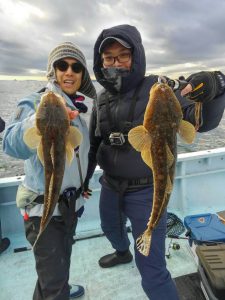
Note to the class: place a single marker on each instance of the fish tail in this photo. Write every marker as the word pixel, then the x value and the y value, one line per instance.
pixel 44 223
pixel 143 242
pixel 37 238
pixel 53 188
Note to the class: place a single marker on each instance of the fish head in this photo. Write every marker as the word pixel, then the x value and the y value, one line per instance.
pixel 51 103
pixel 52 113
pixel 163 106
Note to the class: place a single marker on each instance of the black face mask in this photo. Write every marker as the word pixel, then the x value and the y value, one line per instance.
pixel 115 75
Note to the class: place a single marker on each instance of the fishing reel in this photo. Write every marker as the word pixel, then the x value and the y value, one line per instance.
pixel 177 84
pixel 174 246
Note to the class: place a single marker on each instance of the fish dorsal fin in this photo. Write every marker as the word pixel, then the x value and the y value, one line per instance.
pixel 187 132
pixel 139 138
pixel 31 138
pixel 170 156
pixel 69 153
pixel 73 140
pixel 146 156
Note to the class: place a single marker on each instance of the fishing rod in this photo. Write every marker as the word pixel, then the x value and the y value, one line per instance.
pixel 75 239
pixel 172 236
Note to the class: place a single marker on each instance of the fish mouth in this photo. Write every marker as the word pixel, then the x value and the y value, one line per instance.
pixel 160 86
pixel 162 83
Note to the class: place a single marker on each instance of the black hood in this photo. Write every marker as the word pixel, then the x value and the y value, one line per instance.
pixel 132 36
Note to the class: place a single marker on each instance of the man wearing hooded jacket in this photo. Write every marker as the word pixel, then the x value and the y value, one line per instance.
pixel 127 183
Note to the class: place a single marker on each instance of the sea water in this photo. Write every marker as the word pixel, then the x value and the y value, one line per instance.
pixel 12 91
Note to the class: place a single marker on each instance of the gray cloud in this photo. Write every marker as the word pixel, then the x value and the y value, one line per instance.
pixel 179 36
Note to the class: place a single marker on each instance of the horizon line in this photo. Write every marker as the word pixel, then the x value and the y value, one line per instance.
pixel 23 77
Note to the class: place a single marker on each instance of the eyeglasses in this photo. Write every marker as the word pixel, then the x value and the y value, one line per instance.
pixel 109 60
pixel 63 66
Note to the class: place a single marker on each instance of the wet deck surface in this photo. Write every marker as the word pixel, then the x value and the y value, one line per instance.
pixel 18 276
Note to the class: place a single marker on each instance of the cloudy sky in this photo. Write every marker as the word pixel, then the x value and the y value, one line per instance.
pixel 180 36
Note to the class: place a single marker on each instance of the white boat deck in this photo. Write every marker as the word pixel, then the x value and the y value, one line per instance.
pixel 18 276
pixel 199 188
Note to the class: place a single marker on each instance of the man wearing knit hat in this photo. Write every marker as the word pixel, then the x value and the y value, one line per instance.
pixel 67 74
pixel 69 50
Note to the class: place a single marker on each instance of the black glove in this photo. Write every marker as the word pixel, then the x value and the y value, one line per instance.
pixel 206 86
pixel 86 191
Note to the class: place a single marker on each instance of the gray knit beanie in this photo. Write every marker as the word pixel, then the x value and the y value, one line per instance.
pixel 68 49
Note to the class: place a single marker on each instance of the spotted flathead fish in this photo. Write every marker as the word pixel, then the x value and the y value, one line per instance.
pixel 156 139
pixel 55 141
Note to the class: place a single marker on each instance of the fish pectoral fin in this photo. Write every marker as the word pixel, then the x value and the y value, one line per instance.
pixel 143 242
pixel 74 137
pixel 31 138
pixel 147 157
pixel 73 140
pixel 139 138
pixel 69 153
pixel 170 156
pixel 169 186
pixel 40 153
pixel 187 132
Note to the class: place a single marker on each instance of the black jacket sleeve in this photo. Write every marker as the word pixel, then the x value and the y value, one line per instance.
pixel 94 144
pixel 212 113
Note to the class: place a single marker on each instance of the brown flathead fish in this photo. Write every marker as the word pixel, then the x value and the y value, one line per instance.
pixel 156 139
pixel 55 141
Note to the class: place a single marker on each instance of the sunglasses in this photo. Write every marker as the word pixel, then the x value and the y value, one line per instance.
pixel 63 66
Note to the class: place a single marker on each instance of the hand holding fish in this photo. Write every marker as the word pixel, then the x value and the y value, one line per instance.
pixel 156 139
pixel 204 86
pixel 55 141
pixel 72 113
